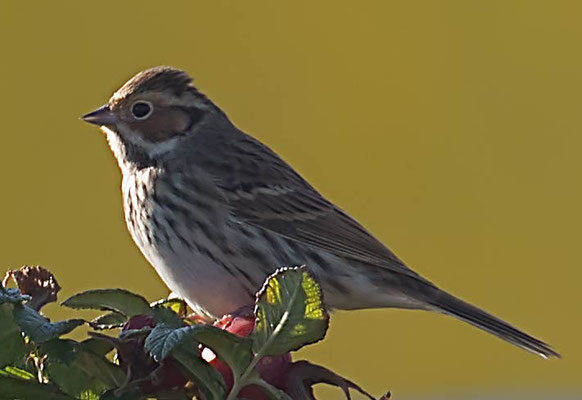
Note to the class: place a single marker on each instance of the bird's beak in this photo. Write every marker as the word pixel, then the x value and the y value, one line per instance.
pixel 101 116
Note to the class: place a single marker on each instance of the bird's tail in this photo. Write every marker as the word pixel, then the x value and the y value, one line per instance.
pixel 448 304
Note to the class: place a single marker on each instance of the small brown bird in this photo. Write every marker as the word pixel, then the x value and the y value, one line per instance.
pixel 215 211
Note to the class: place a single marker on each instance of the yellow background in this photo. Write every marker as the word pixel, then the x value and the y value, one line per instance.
pixel 451 129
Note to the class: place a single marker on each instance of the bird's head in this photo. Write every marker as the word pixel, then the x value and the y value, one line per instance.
pixel 152 114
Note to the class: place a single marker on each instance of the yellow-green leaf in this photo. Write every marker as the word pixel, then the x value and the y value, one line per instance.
pixel 290 312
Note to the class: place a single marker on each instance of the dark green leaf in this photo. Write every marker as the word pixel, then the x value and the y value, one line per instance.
pixel 269 390
pixel 97 345
pixel 206 377
pixel 73 381
pixel 125 394
pixel 232 349
pixel 110 320
pixel 290 313
pixel 62 350
pixel 163 339
pixel 38 328
pixel 14 388
pixel 11 340
pixel 169 331
pixel 78 371
pixel 119 300
pixel 182 344
pixel 168 317
pixel 10 295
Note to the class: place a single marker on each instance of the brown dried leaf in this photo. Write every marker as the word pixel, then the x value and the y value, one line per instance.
pixel 37 282
pixel 303 375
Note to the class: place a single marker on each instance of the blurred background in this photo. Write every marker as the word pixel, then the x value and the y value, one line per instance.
pixel 451 129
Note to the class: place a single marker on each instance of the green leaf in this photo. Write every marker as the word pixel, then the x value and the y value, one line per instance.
pixel 11 340
pixel 269 390
pixel 182 344
pixel 204 376
pixel 10 295
pixel 167 316
pixel 62 350
pixel 169 331
pixel 171 338
pixel 79 372
pixel 14 388
pixel 110 320
pixel 176 305
pixel 89 395
pixel 164 338
pixel 13 372
pixel 38 328
pixel 119 300
pixel 73 381
pixel 290 313
pixel 234 350
pixel 97 345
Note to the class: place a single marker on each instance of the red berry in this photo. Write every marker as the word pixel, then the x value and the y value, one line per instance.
pixel 138 322
pixel 224 370
pixel 172 376
pixel 272 369
pixel 168 376
pixel 252 392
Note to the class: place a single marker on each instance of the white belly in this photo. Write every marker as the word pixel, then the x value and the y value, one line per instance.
pixel 206 287
pixel 189 263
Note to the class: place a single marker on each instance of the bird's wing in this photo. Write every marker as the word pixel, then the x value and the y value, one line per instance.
pixel 264 191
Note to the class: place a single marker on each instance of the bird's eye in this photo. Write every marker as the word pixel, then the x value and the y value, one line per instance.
pixel 142 109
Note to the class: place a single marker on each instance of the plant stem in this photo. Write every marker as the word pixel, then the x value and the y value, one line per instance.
pixel 242 382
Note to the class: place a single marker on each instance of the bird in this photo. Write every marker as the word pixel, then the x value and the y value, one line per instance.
pixel 215 212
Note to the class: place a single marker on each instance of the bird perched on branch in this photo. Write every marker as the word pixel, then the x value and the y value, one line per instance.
pixel 215 212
